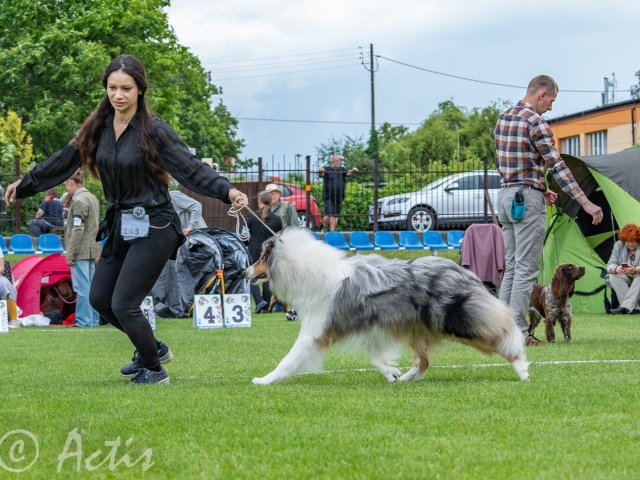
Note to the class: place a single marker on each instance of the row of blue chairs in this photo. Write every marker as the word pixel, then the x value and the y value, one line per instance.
pixel 21 243
pixel 385 241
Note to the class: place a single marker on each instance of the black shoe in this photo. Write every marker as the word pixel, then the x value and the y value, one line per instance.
pixel 147 377
pixel 618 311
pixel 262 306
pixel 635 311
pixel 130 370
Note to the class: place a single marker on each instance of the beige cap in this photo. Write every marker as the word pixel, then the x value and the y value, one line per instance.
pixel 272 187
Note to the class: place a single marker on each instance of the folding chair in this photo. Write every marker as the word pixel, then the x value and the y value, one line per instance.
pixel 409 241
pixel 336 239
pixel 49 243
pixel 433 241
pixel 21 243
pixel 360 241
pixel 384 241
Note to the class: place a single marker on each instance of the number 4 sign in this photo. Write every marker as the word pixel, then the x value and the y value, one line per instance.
pixel 148 311
pixel 207 312
pixel 237 310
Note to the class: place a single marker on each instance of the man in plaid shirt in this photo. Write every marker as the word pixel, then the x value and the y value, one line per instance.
pixel 525 148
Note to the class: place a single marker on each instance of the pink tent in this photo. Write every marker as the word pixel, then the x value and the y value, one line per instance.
pixel 32 273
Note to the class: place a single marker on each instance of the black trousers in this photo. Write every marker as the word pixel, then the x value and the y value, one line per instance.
pixel 257 296
pixel 119 287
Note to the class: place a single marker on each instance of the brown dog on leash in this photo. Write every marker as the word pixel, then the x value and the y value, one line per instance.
pixel 553 301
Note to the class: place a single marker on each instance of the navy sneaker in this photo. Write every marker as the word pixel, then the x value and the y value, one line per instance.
pixel 147 377
pixel 130 370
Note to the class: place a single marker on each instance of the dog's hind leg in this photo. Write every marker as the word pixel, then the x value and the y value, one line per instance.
pixel 306 354
pixel 383 354
pixel 419 366
pixel 534 319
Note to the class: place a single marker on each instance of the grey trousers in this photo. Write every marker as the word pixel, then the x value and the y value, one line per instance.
pixel 523 243
pixel 627 290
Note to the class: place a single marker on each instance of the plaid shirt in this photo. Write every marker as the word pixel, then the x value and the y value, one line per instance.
pixel 525 146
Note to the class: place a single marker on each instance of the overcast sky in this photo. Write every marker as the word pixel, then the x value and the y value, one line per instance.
pixel 508 42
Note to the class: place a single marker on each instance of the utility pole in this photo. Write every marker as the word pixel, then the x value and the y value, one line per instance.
pixel 373 98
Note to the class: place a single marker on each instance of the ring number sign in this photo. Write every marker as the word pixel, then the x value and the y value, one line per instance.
pixel 207 311
pixel 148 311
pixel 237 310
pixel 4 317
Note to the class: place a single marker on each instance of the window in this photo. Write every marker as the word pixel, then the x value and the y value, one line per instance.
pixel 468 183
pixel 598 143
pixel 571 145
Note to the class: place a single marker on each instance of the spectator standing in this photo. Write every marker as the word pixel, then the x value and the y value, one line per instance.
pixel 83 251
pixel 282 208
pixel 134 154
pixel 525 148
pixel 258 234
pixel 335 184
pixel 50 214
pixel 189 210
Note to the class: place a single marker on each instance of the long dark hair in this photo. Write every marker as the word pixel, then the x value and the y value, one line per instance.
pixel 265 199
pixel 89 135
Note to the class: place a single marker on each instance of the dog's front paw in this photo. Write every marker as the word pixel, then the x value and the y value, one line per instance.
pixel 266 380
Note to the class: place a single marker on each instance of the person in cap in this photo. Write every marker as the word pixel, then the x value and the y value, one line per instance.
pixel 282 208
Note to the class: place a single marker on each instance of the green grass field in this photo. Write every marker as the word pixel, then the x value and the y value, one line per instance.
pixel 470 417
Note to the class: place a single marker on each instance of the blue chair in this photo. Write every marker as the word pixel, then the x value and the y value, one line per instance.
pixel 360 241
pixel 336 239
pixel 409 241
pixel 49 243
pixel 21 243
pixel 433 241
pixel 3 245
pixel 454 238
pixel 316 234
pixel 384 241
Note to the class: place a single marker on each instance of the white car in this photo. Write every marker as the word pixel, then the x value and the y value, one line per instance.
pixel 456 200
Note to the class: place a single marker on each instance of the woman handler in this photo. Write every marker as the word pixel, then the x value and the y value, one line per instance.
pixel 134 154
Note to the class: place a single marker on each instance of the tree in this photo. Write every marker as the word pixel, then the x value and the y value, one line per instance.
pixel 635 89
pixel 14 141
pixel 53 53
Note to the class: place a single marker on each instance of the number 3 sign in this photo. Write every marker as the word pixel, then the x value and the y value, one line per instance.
pixel 237 310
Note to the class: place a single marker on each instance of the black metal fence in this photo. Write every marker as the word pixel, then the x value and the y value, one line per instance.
pixel 383 194
pixel 407 195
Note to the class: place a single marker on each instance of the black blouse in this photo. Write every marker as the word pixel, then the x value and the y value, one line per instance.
pixel 259 233
pixel 126 179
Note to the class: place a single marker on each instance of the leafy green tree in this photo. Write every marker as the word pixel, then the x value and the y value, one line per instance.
pixel 53 53
pixel 14 141
pixel 635 89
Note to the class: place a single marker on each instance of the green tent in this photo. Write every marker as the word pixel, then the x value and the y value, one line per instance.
pixel 613 183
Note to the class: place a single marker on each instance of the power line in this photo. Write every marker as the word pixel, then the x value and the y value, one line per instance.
pixel 319 121
pixel 285 63
pixel 283 56
pixel 251 68
pixel 482 81
pixel 285 73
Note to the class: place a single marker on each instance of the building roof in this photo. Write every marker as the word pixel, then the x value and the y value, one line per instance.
pixel 594 111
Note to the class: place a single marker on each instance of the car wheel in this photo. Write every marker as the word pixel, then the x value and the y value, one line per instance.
pixel 421 219
pixel 303 221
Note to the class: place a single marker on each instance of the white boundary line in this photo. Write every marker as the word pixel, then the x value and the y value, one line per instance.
pixel 557 362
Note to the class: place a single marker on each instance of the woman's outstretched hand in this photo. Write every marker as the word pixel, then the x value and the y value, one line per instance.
pixel 10 194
